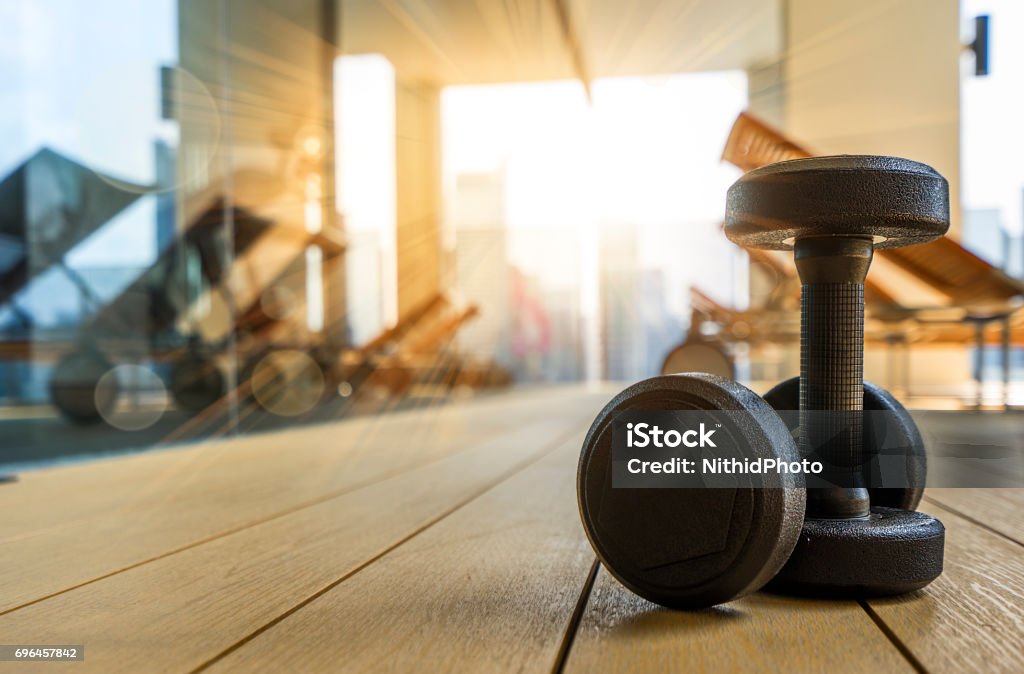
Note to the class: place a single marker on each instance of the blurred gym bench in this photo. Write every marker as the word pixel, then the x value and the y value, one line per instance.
pixel 971 294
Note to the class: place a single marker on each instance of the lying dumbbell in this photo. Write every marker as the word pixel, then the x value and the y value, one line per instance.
pixel 692 548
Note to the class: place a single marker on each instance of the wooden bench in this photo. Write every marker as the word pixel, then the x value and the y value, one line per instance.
pixel 969 293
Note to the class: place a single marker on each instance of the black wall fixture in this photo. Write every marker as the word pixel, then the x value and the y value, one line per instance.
pixel 980 45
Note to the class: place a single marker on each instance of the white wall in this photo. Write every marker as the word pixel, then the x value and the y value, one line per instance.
pixel 877 77
pixel 881 77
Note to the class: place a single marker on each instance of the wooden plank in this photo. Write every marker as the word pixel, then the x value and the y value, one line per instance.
pixel 972 617
pixel 490 588
pixel 68 497
pixel 64 496
pixel 181 611
pixel 621 632
pixel 998 509
pixel 80 485
pixel 74 525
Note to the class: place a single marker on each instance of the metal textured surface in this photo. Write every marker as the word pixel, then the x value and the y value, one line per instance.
pixel 900 431
pixel 832 372
pixel 892 552
pixel 895 201
pixel 832 273
pixel 691 548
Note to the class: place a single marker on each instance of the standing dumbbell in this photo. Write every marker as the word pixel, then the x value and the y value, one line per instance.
pixel 889 431
pixel 695 547
pixel 833 212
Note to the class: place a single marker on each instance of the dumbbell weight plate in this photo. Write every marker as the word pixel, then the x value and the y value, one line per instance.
pixel 896 202
pixel 891 552
pixel 899 431
pixel 689 547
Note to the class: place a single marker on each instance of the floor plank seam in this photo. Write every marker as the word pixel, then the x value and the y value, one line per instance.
pixel 518 468
pixel 574 620
pixel 222 534
pixel 390 408
pixel 231 532
pixel 972 520
pixel 269 518
pixel 893 639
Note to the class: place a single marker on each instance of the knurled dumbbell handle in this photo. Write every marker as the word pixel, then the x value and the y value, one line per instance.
pixel 832 271
pixel 832 371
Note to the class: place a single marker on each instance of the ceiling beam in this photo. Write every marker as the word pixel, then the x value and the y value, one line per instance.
pixel 572 42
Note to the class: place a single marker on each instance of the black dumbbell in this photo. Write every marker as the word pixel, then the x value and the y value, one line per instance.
pixel 833 212
pixel 888 428
pixel 691 548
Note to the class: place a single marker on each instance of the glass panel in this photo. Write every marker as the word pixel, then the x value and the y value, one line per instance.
pixel 580 224
pixel 169 246
pixel 89 169
pixel 993 177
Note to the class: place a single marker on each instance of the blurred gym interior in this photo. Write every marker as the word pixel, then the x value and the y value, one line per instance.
pixel 220 218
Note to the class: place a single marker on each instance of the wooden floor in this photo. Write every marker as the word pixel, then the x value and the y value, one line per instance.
pixel 437 539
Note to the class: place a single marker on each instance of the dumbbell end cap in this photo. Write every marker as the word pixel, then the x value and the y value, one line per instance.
pixel 893 552
pixel 893 201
